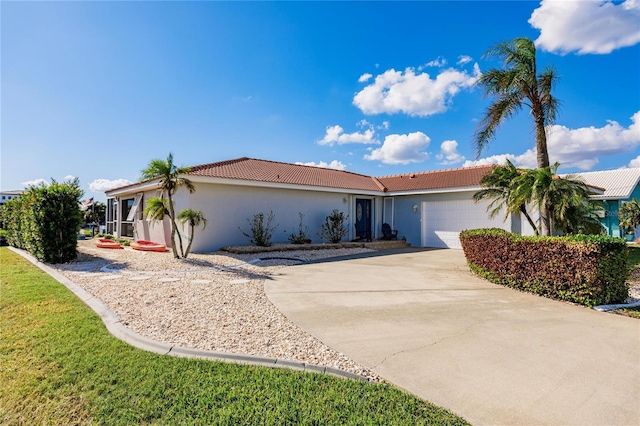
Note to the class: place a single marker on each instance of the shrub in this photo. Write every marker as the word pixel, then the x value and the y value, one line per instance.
pixel 301 237
pixel 585 269
pixel 261 232
pixel 45 221
pixel 333 230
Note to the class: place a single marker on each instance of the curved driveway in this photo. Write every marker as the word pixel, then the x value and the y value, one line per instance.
pixel 493 355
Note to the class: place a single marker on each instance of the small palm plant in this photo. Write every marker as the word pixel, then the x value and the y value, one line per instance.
pixel 629 215
pixel 194 219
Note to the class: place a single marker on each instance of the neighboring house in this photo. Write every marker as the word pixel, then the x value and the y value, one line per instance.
pixel 9 195
pixel 619 186
pixel 428 209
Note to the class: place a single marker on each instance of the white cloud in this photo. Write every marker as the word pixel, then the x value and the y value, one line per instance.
pixel 449 153
pixel 438 62
pixel 586 26
pixel 335 135
pixel 101 185
pixel 69 177
pixel 385 125
pixel 579 148
pixel 36 182
pixel 414 94
pixel 464 59
pixel 402 149
pixel 335 164
pixel 364 77
pixel 635 162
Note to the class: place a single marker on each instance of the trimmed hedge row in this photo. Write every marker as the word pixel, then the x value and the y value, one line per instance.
pixel 45 221
pixel 586 269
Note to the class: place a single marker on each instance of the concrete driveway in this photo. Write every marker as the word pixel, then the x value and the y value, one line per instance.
pixel 493 355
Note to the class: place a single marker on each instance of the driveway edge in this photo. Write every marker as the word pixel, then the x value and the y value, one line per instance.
pixel 118 330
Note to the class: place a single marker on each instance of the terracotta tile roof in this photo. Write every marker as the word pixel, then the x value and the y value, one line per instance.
pixel 251 169
pixel 254 170
pixel 437 179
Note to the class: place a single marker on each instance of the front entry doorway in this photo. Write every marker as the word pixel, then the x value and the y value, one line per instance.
pixel 363 219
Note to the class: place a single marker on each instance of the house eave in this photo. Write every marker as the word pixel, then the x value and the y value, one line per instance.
pixel 133 189
pixel 433 191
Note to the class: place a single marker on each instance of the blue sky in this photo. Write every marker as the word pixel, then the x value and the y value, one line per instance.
pixel 95 90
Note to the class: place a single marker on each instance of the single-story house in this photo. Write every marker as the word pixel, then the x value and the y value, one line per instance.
pixel 620 186
pixel 429 209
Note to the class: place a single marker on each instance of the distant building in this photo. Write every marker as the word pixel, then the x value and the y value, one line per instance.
pixel 619 186
pixel 9 195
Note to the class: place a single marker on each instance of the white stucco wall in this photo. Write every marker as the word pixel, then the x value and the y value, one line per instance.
pixel 228 207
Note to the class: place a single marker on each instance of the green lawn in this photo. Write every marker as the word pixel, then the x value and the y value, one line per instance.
pixel 634 257
pixel 59 365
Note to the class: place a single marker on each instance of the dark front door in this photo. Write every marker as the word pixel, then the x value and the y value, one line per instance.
pixel 363 219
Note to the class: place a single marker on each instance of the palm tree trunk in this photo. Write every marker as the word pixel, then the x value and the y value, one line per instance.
pixel 524 211
pixel 173 226
pixel 191 234
pixel 542 158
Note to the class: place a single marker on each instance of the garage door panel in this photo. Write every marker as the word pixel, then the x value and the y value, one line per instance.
pixel 442 221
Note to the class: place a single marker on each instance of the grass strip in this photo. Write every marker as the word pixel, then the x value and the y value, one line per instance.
pixel 59 365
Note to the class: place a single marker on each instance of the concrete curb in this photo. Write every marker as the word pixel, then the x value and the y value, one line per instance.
pixel 118 330
pixel 605 308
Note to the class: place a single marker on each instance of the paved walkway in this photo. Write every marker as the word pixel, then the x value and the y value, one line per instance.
pixel 488 353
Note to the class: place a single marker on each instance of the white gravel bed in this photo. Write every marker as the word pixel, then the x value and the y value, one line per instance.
pixel 208 301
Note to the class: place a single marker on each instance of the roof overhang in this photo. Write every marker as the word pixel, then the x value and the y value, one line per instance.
pixel 434 191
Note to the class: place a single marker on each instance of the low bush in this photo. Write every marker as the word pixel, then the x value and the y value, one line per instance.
pixel 585 269
pixel 333 229
pixel 302 236
pixel 261 232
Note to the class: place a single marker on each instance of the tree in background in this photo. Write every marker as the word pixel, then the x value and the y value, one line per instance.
pixel 170 179
pixel 629 215
pixel 514 87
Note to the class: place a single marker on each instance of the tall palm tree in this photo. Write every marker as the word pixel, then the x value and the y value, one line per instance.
pixel 194 218
pixel 504 186
pixel 514 87
pixel 170 179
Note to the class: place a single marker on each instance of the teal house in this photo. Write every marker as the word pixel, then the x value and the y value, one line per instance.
pixel 619 186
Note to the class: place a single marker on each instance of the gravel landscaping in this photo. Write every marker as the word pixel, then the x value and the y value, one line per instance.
pixel 209 301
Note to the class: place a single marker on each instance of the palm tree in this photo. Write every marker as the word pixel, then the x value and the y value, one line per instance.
pixel 170 180
pixel 558 196
pixel 581 219
pixel 629 215
pixel 504 186
pixel 194 218
pixel 514 87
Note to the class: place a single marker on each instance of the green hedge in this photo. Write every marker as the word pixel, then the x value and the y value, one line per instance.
pixel 45 221
pixel 585 269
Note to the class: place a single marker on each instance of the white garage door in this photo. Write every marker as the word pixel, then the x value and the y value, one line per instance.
pixel 442 221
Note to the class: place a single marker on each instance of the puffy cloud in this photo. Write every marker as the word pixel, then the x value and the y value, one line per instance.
pixel 101 185
pixel 414 94
pixel 335 135
pixel 364 77
pixel 36 182
pixel 635 162
pixel 586 26
pixel 335 164
pixel 402 149
pixel 464 59
pixel 69 177
pixel 449 153
pixel 579 148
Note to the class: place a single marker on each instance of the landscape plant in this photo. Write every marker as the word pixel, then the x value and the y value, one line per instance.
pixel 171 177
pixel 194 218
pixel 45 221
pixel 260 232
pixel 302 235
pixel 334 229
pixel 516 86
pixel 629 215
